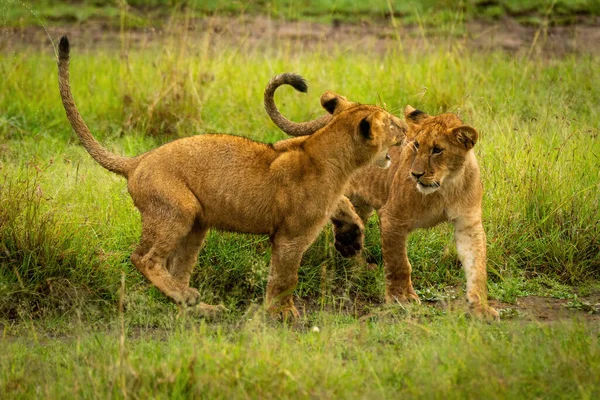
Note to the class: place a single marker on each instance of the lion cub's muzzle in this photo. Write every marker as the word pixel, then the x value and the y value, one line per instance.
pixel 384 160
pixel 424 185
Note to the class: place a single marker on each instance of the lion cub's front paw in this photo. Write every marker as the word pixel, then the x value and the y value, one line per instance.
pixel 348 240
pixel 485 313
pixel 402 296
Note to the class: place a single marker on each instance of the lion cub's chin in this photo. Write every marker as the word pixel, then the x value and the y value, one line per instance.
pixel 426 189
pixel 383 161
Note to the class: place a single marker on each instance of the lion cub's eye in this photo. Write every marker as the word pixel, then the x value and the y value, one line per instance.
pixel 437 150
pixel 416 144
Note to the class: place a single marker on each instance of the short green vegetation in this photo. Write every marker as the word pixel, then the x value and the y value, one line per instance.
pixel 332 358
pixel 145 13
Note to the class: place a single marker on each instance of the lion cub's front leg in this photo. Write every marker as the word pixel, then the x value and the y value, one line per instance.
pixel 471 249
pixel 398 283
pixel 283 275
pixel 348 229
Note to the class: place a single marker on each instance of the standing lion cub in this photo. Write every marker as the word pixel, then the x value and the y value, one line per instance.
pixel 432 179
pixel 231 183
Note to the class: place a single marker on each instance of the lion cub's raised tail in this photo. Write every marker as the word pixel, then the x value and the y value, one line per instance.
pixel 112 162
pixel 289 127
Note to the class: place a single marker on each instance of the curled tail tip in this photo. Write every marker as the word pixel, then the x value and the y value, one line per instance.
pixel 288 78
pixel 297 82
pixel 63 48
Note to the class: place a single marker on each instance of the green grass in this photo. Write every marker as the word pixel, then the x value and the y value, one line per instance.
pixel 538 152
pixel 143 13
pixel 378 357
pixel 67 228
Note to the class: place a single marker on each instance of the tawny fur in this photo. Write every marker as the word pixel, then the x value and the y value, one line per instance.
pixel 292 128
pixel 231 183
pixel 437 182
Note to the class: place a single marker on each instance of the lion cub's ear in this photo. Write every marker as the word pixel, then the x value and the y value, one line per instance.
pixel 414 116
pixel 399 123
pixel 371 126
pixel 466 135
pixel 364 127
pixel 333 102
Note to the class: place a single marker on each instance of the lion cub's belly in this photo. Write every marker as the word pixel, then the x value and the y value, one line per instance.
pixel 240 214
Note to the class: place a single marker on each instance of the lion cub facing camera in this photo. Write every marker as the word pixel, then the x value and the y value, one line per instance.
pixel 231 183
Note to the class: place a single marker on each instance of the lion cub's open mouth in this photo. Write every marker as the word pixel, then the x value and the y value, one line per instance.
pixel 384 162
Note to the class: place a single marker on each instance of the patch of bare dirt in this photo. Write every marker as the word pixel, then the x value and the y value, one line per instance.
pixel 256 33
pixel 537 308
pixel 525 309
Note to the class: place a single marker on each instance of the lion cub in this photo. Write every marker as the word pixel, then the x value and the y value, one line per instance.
pixel 433 178
pixel 231 183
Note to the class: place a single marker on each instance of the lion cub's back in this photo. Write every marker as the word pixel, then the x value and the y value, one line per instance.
pixel 228 175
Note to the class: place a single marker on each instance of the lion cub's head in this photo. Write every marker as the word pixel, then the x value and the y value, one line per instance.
pixel 376 129
pixel 440 145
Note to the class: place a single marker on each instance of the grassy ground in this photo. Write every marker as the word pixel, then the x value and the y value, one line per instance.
pixel 67 228
pixel 336 357
pixel 143 13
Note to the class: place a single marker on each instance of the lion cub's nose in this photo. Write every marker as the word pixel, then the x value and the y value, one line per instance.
pixel 417 175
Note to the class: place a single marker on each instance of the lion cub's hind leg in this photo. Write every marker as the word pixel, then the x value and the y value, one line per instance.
pixel 166 232
pixel 181 262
